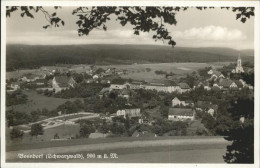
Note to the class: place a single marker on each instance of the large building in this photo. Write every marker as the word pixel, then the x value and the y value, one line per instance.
pixel 164 86
pixel 181 114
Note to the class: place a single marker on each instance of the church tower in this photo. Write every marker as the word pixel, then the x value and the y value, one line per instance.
pixel 239 68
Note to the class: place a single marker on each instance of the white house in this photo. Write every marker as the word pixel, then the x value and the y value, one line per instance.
pixel 129 112
pixel 62 82
pixel 181 114
pixel 177 102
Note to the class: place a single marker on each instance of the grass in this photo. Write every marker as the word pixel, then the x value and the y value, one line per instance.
pixel 46 144
pixel 196 124
pixel 38 101
pixel 64 131
pixel 139 72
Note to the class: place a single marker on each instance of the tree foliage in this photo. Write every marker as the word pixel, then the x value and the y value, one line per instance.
pixel 16 133
pixel 36 129
pixel 86 128
pixel 241 133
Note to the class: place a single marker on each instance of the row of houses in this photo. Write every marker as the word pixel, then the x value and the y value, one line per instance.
pixel 167 87
pixel 185 110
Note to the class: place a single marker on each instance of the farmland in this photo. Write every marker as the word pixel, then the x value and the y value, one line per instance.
pixel 139 71
pixel 38 101
pixel 64 131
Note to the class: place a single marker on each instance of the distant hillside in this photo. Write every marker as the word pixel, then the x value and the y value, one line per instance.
pixel 34 56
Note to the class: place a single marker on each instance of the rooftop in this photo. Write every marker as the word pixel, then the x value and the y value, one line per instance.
pixel 63 81
pixel 181 111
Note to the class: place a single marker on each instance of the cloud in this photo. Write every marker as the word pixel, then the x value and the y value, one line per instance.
pixel 115 36
pixel 210 33
pixel 209 36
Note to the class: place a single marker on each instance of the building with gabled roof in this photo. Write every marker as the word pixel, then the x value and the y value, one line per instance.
pixel 184 87
pixel 134 112
pixel 177 102
pixel 216 75
pixel 227 84
pixel 62 82
pixel 181 114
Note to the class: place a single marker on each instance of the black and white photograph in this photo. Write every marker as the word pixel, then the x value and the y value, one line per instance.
pixel 119 83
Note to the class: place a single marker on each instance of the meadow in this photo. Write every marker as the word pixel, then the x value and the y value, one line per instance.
pixel 147 71
pixel 38 101
pixel 64 131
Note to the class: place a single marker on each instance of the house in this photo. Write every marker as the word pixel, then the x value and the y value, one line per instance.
pixel 136 85
pixel 226 84
pixel 203 105
pixel 62 82
pixel 125 93
pixel 103 92
pixel 95 76
pixel 239 84
pixel 135 112
pixel 32 77
pixel 210 72
pixel 184 87
pixel 15 86
pixel 107 117
pixel 216 75
pixel 181 114
pixel 177 102
pixel 105 81
pixel 204 84
pixel 212 109
pixel 117 86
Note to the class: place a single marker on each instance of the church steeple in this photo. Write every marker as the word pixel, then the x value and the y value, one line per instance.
pixel 239 61
pixel 239 68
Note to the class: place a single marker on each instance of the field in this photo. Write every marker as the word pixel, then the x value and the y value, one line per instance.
pixel 134 71
pixel 140 72
pixel 160 149
pixel 64 131
pixel 38 101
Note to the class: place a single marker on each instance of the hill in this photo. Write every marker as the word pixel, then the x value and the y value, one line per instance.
pixel 35 56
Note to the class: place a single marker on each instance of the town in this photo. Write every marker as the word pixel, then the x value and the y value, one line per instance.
pixel 98 102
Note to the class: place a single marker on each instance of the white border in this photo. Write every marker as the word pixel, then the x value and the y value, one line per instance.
pixel 255 4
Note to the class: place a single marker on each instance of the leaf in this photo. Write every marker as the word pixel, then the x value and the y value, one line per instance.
pixel 136 32
pixel 79 23
pixel 243 20
pixel 62 22
pixel 104 27
pixel 54 14
pixel 238 16
pixel 45 27
pixel 29 14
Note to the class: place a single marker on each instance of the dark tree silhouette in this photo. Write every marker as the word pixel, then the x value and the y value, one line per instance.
pixel 241 132
pixel 143 19
pixel 36 130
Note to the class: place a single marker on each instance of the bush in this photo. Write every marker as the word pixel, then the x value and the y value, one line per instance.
pixel 36 129
pixel 16 133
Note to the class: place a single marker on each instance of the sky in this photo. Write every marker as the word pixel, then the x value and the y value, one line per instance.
pixel 195 28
